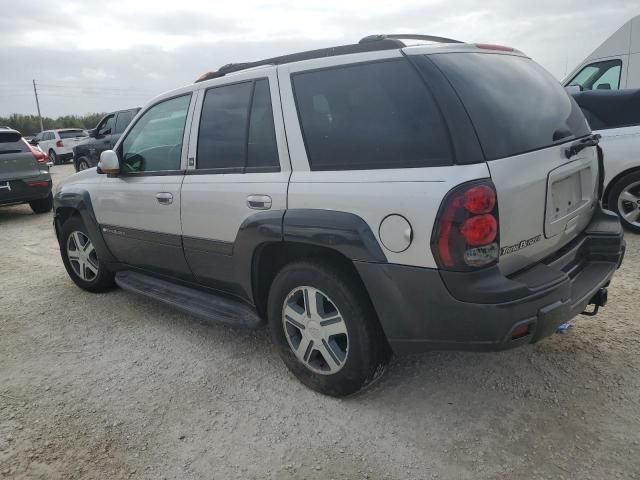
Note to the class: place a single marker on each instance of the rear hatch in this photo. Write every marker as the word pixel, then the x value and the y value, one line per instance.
pixel 71 137
pixel 525 121
pixel 16 159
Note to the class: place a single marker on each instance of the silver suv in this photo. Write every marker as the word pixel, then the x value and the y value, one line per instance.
pixel 364 199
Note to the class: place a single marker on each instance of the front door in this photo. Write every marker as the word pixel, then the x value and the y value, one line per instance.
pixel 101 140
pixel 240 170
pixel 139 210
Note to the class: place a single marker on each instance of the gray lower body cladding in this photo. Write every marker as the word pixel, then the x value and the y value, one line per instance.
pixel 423 309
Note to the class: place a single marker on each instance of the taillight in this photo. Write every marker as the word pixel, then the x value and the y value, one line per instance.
pixel 466 234
pixel 59 144
pixel 39 155
pixel 38 183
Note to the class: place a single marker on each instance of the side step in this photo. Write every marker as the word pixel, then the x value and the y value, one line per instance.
pixel 194 302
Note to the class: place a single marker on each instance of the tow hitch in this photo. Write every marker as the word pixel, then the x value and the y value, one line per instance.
pixel 599 300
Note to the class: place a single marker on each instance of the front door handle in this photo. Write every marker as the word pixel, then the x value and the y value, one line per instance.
pixel 164 198
pixel 259 202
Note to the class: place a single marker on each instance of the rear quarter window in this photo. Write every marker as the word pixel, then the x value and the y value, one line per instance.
pixel 376 115
pixel 515 105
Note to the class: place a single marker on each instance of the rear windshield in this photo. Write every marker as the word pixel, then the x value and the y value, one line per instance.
pixel 71 133
pixel 11 142
pixel 515 105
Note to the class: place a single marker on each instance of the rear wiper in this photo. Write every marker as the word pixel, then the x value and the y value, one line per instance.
pixel 591 141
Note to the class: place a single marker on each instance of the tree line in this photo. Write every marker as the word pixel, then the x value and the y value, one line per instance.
pixel 30 125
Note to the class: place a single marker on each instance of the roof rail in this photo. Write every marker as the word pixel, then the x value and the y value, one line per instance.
pixel 367 44
pixel 408 36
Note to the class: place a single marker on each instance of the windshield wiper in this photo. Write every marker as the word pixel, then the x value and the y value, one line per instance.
pixel 575 148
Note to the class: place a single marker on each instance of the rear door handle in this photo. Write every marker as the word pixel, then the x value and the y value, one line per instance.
pixel 259 202
pixel 164 198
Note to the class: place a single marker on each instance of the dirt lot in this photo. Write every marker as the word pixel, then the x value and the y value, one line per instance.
pixel 115 386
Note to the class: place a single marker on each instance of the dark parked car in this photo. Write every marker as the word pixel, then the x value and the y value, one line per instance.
pixel 24 173
pixel 87 153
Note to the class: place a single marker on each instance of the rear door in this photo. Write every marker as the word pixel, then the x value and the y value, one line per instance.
pixel 47 142
pixel 239 168
pixel 16 160
pixel 525 121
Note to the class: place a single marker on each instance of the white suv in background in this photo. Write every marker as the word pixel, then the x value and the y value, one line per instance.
pixel 616 116
pixel 361 199
pixel 58 144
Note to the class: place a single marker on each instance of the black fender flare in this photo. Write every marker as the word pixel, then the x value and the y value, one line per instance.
pixel 78 200
pixel 346 233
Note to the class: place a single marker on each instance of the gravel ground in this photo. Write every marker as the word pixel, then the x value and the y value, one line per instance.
pixel 116 386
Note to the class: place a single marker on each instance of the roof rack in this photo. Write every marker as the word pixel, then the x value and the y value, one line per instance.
pixel 409 36
pixel 370 43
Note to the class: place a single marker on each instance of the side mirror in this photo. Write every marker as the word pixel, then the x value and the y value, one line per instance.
pixel 571 89
pixel 92 132
pixel 109 163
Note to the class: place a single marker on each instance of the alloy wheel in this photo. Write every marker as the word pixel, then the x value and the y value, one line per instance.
pixel 629 204
pixel 82 256
pixel 315 330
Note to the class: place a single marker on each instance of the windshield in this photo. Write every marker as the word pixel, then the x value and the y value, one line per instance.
pixel 515 105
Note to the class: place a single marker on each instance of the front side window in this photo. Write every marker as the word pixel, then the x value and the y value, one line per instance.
pixel 599 76
pixel 237 129
pixel 106 126
pixel 155 141
pixel 370 116
pixel 124 119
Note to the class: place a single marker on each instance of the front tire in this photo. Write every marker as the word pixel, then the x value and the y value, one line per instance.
pixel 53 156
pixel 82 165
pixel 42 205
pixel 325 328
pixel 81 259
pixel 624 199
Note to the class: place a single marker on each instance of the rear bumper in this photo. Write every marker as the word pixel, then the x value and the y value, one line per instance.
pixel 22 192
pixel 426 309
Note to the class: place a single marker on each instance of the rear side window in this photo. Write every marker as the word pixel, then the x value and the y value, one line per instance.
pixel 515 105
pixel 71 133
pixel 236 128
pixel 12 142
pixel 370 116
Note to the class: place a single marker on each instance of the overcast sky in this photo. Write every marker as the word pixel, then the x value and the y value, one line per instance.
pixel 101 56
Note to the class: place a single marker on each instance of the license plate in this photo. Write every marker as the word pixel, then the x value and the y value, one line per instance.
pixel 567 195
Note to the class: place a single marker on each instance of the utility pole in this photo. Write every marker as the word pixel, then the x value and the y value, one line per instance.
pixel 35 91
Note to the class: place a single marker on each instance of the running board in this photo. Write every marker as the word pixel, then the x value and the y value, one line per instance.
pixel 189 300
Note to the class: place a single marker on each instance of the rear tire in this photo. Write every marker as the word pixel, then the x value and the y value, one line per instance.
pixel 80 258
pixel 42 205
pixel 53 156
pixel 624 199
pixel 342 326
